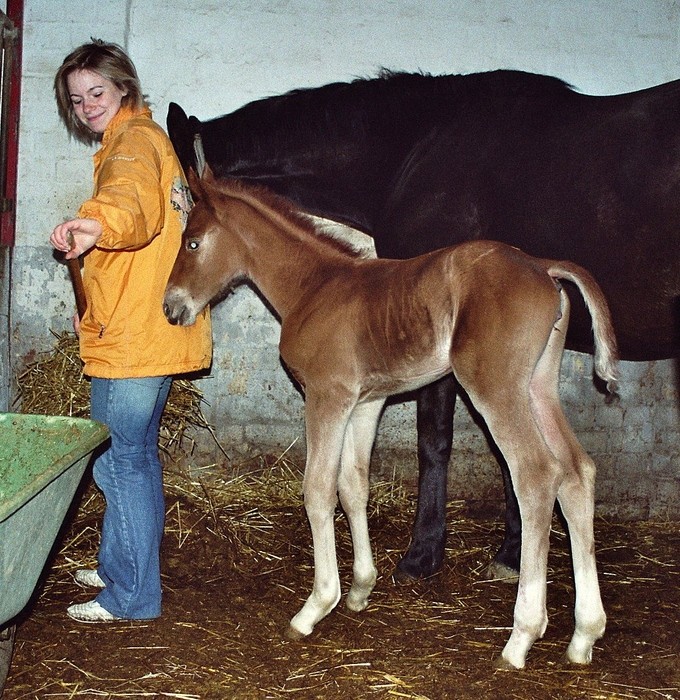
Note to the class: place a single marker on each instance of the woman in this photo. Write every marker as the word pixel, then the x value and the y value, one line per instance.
pixel 131 229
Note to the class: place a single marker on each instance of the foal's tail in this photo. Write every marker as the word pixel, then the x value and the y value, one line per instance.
pixel 606 350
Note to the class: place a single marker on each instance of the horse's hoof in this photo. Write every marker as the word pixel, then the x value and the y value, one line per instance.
pixel 408 571
pixel 500 572
pixel 579 661
pixel 421 560
pixel 579 653
pixel 401 576
pixel 502 664
pixel 293 635
pixel 357 604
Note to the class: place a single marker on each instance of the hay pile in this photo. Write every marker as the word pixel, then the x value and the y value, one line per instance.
pixel 54 385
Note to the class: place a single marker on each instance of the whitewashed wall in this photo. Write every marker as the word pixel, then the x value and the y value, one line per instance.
pixel 212 57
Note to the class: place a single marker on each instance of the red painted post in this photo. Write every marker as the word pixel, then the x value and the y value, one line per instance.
pixel 15 12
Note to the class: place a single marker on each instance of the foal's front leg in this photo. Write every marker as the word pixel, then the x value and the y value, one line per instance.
pixel 325 435
pixel 353 488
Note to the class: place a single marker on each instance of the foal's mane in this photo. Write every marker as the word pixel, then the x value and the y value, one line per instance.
pixel 263 199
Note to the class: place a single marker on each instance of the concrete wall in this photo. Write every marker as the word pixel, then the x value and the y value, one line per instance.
pixel 213 57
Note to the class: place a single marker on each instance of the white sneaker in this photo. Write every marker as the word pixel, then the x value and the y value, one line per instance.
pixel 90 612
pixel 89 577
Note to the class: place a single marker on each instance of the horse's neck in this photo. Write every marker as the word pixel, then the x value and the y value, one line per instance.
pixel 283 257
pixel 260 142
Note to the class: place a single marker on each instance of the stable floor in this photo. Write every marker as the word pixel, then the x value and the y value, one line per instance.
pixel 238 564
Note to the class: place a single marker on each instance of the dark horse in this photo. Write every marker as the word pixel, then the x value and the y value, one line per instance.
pixel 420 162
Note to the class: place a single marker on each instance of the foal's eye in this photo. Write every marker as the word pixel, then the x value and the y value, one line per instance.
pixel 192 244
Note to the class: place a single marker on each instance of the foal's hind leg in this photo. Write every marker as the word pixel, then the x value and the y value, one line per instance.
pixel 576 497
pixel 353 488
pixel 536 476
pixel 576 494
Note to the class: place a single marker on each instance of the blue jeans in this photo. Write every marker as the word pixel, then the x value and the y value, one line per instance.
pixel 130 475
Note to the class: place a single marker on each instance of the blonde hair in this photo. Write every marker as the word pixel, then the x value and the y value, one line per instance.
pixel 111 62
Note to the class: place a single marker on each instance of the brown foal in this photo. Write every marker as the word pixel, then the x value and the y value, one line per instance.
pixel 355 331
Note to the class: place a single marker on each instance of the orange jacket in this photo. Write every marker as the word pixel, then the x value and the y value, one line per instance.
pixel 141 200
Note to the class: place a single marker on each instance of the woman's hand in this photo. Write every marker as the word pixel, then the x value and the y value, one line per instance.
pixel 76 236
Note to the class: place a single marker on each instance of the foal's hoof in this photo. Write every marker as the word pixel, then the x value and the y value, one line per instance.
pixel 580 650
pixel 293 635
pixel 579 660
pixel 500 572
pixel 357 603
pixel 502 664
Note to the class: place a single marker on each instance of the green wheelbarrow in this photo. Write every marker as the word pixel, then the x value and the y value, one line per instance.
pixel 42 460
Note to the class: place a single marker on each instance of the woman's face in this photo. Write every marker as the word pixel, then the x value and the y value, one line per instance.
pixel 95 99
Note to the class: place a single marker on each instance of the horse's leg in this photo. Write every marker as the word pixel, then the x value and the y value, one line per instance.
pixel 435 408
pixel 505 565
pixel 536 476
pixel 435 411
pixel 577 498
pixel 325 430
pixel 576 494
pixel 353 488
pixel 499 388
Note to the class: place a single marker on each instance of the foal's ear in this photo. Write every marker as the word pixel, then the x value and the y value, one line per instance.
pixel 207 174
pixel 195 185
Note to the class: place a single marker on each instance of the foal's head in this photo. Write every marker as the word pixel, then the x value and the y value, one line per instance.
pixel 205 267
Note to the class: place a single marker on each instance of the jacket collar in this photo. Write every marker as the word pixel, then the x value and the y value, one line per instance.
pixel 123 115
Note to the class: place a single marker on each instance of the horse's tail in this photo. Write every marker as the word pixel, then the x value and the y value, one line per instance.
pixel 606 362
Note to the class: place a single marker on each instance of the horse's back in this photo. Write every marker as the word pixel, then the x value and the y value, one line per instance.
pixel 595 180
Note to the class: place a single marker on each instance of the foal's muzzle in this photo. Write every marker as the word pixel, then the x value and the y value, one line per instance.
pixel 177 309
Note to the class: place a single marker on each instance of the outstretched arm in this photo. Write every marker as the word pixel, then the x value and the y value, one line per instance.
pixel 75 236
